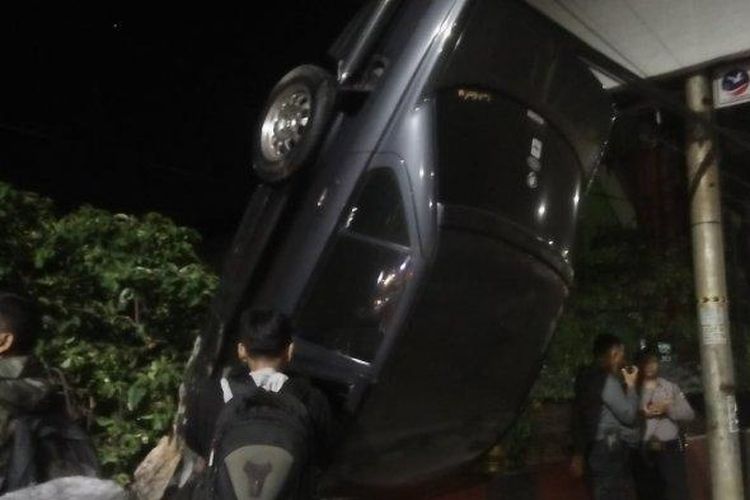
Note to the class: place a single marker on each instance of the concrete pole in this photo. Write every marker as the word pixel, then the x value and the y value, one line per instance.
pixel 711 294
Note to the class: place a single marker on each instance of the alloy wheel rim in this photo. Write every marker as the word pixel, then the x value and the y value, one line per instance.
pixel 286 122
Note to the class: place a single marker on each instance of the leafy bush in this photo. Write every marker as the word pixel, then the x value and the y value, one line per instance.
pixel 123 298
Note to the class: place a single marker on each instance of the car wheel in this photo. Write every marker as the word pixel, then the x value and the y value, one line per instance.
pixel 293 122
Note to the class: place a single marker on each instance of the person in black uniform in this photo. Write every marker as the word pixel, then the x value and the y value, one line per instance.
pixel 604 412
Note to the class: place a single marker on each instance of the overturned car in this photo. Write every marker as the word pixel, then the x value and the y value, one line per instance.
pixel 416 219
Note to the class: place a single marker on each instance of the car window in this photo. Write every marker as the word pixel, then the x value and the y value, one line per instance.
pixel 379 210
pixel 355 291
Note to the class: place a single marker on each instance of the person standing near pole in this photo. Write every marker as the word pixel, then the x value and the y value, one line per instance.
pixel 605 409
pixel 661 472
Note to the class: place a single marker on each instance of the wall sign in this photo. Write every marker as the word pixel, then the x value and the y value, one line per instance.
pixel 732 85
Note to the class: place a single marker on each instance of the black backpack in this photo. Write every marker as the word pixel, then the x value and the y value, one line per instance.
pixel 262 446
pixel 50 443
pixel 46 447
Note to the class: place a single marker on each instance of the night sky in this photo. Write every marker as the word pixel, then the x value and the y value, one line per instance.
pixel 137 109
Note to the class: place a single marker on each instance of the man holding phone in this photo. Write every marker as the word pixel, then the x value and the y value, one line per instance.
pixel 660 469
pixel 604 413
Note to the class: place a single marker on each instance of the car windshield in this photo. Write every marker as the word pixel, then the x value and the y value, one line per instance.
pixel 504 51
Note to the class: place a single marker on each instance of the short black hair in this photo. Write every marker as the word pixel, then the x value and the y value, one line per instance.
pixel 265 332
pixel 19 316
pixel 646 355
pixel 604 342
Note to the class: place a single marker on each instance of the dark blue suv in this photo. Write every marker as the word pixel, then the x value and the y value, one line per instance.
pixel 417 219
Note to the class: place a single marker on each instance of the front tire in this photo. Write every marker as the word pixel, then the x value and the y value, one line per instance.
pixel 293 122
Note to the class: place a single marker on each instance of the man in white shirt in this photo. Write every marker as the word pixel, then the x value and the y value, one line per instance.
pixel 661 473
pixel 264 348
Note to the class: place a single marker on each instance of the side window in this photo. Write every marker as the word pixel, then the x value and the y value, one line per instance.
pixel 355 291
pixel 379 210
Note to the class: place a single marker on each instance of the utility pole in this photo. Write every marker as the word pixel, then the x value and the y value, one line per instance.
pixel 711 295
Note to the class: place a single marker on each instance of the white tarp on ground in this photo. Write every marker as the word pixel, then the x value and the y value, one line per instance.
pixel 656 37
pixel 70 488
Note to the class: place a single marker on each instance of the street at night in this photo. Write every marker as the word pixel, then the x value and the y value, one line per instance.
pixel 378 249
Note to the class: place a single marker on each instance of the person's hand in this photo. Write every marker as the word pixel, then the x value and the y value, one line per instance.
pixel 576 466
pixel 199 465
pixel 630 374
pixel 658 408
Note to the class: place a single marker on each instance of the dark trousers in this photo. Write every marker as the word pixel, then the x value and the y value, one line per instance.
pixel 607 470
pixel 661 474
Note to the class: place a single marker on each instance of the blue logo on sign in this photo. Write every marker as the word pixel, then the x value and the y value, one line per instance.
pixel 735 81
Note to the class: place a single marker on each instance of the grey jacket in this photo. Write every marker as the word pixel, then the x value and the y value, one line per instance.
pixel 602 408
pixel 619 409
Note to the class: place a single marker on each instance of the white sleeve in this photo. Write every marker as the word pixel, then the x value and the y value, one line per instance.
pixel 680 410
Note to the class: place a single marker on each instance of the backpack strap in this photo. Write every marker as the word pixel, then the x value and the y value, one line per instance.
pixel 240 387
pixel 237 391
pixel 293 396
pixel 287 401
pixel 299 388
pixel 71 410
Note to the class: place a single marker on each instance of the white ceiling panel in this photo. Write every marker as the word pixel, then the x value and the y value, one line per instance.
pixel 656 37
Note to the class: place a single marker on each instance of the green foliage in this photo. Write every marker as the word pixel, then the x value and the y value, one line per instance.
pixel 23 225
pixel 123 298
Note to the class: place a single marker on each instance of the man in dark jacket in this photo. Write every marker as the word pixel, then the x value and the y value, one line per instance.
pixel 265 349
pixel 605 411
pixel 23 387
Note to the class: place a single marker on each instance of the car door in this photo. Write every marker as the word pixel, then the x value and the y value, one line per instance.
pixel 352 301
